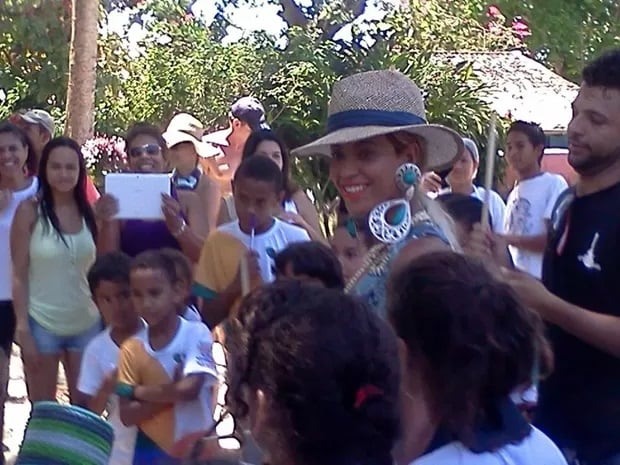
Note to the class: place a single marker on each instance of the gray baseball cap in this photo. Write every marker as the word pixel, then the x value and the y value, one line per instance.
pixel 40 117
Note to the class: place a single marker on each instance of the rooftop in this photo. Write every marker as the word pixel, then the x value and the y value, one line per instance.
pixel 520 87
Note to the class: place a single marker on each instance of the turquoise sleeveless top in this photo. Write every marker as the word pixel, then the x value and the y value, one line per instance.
pixel 371 286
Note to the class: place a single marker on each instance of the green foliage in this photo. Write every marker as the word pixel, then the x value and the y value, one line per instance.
pixel 566 34
pixel 34 37
pixel 185 66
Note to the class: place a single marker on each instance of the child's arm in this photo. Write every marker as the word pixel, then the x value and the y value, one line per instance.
pixel 95 383
pixel 134 412
pixel 216 308
pixel 183 390
pixel 98 402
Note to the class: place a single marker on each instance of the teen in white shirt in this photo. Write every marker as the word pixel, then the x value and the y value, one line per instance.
pixel 531 202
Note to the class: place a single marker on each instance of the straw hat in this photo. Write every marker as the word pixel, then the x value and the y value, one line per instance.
pixel 377 103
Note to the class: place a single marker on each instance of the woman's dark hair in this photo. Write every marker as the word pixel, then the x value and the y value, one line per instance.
pixel 31 159
pixel 329 367
pixel 113 266
pixel 311 259
pixel 249 149
pixel 474 340
pixel 145 129
pixel 79 191
pixel 464 209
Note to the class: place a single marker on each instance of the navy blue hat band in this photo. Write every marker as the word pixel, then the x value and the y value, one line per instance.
pixel 357 118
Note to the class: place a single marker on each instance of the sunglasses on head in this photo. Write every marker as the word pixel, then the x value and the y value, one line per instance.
pixel 149 149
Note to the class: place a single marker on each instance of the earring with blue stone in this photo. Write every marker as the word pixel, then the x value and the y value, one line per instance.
pixel 390 221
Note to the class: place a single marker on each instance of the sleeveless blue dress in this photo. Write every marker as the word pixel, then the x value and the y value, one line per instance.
pixel 371 286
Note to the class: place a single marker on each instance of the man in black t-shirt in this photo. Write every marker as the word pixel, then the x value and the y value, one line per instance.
pixel 580 402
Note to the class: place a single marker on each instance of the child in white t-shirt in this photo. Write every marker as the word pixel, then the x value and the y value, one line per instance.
pixel 257 236
pixel 531 202
pixel 166 374
pixel 109 284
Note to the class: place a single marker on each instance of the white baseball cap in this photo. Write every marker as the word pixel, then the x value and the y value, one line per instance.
pixel 40 117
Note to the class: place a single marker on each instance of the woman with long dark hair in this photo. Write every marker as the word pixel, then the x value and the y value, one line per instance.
pixel 52 248
pixel 17 159
pixel 467 343
pixel 296 206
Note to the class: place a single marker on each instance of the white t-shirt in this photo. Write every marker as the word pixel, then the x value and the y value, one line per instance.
pixel 529 206
pixel 497 207
pixel 269 243
pixel 191 346
pixel 536 449
pixel 6 220
pixel 192 314
pixel 100 358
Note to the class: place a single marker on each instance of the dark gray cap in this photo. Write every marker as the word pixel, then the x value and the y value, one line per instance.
pixel 250 111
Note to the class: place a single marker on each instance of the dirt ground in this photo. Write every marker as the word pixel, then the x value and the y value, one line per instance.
pixel 17 408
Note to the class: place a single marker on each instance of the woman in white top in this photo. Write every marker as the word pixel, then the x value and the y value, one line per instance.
pixel 466 343
pixel 17 159
pixel 52 248
pixel 296 207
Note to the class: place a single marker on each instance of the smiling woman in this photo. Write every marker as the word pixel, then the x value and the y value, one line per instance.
pixel 379 140
pixel 16 185
pixel 55 313
pixel 184 226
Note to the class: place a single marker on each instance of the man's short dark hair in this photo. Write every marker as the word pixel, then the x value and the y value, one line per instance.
pixel 604 71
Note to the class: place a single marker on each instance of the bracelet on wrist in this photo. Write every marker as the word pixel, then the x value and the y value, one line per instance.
pixel 180 230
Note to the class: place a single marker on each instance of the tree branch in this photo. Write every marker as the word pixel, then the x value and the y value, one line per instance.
pixel 349 11
pixel 292 13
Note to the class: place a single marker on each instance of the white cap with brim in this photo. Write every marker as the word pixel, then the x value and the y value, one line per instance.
pixel 377 103
pixel 173 138
pixel 40 117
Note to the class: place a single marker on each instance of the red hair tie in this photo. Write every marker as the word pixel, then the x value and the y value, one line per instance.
pixel 364 393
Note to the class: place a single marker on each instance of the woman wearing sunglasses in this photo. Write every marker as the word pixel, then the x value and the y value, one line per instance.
pixel 184 226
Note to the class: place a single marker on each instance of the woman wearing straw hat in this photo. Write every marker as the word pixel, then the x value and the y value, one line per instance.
pixel 379 141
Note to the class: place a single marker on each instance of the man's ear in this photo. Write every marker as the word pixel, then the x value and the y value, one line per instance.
pixel 281 196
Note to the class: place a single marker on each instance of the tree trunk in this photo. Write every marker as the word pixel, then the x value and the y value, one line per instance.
pixel 82 70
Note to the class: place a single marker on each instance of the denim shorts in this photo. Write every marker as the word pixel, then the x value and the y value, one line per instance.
pixel 50 343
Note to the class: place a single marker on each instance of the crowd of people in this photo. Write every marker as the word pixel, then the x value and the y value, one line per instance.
pixel 233 330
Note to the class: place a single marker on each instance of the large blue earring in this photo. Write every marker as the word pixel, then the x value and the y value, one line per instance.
pixel 390 221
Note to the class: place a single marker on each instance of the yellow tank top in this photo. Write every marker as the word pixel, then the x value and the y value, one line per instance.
pixel 59 296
